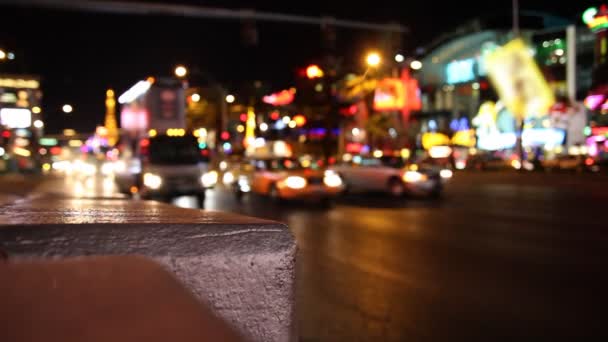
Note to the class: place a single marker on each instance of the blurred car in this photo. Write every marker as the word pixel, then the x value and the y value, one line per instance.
pixel 389 175
pixel 485 162
pixel 238 178
pixel 166 167
pixel 286 178
pixel 567 162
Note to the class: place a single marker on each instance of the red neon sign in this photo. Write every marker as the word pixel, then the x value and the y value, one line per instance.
pixel 599 130
pixel 281 98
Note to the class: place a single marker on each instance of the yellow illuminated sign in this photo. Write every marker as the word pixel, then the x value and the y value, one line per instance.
pixel 464 138
pixel 19 83
pixel 249 128
pixel 434 139
pixel 518 80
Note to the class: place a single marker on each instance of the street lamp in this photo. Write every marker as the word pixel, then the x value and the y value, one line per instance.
pixel 399 58
pixel 2 54
pixel 416 65
pixel 373 59
pixel 313 71
pixel 195 97
pixel 38 124
pixel 181 71
pixel 67 108
pixel 230 98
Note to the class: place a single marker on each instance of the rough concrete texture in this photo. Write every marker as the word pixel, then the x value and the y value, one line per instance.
pixel 242 267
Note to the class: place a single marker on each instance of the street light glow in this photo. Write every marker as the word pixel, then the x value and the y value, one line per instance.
pixel 181 71
pixel 399 58
pixel 38 124
pixel 195 97
pixel 313 71
pixel 373 59
pixel 36 110
pixel 2 54
pixel 263 127
pixel 230 98
pixel 67 108
pixel 416 65
pixel 355 131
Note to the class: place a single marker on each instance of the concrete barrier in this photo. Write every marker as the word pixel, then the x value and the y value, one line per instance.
pixel 242 267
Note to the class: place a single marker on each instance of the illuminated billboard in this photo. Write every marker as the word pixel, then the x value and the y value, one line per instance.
pixel 134 120
pixel 460 71
pixel 434 139
pixel 19 83
pixel 16 117
pixel 518 80
pixel 543 137
pixel 389 95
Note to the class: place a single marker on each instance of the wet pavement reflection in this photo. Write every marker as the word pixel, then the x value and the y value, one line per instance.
pixel 501 255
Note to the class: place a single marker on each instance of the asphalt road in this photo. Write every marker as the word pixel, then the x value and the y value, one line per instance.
pixel 500 256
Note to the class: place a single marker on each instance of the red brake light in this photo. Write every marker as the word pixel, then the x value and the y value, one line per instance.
pixel 55 150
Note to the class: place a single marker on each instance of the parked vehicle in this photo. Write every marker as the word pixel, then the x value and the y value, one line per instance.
pixel 486 162
pixel 568 162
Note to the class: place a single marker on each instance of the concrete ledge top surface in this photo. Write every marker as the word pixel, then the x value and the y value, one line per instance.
pixel 52 211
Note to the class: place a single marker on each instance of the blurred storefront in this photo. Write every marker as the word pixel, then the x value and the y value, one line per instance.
pixel 596 101
pixel 20 122
pixel 457 93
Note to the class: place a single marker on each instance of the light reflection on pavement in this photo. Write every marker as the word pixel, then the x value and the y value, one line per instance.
pixel 501 255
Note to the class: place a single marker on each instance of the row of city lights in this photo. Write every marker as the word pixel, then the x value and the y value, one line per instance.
pixel 181 72
pixel 373 59
pixel 6 55
pixel 197 97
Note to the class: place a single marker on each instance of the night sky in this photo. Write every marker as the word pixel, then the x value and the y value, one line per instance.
pixel 80 54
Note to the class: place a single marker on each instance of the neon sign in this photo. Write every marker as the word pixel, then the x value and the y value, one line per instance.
pixel 281 98
pixel 389 95
pixel 596 20
pixel 543 136
pixel 19 83
pixel 460 71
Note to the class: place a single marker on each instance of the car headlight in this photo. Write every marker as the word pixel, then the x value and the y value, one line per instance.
pixel 228 178
pixel 209 179
pixel 414 177
pixel 244 184
pixel 332 179
pixel 89 169
pixel 120 166
pixel 152 181
pixel 446 173
pixel 516 164
pixel 107 168
pixel 295 182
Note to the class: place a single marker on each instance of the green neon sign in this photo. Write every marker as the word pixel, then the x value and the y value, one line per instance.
pixel 589 14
